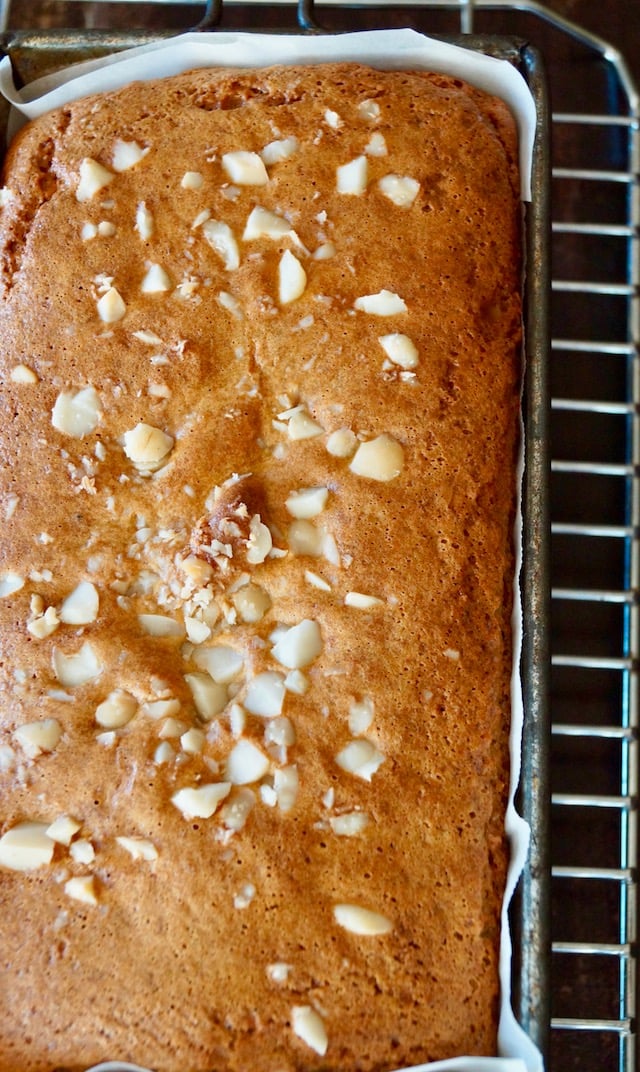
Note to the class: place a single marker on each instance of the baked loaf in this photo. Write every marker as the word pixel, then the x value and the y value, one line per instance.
pixel 259 410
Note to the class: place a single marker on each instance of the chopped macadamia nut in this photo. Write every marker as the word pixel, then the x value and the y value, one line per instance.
pixel 209 697
pixel 302 426
pixel 81 606
pixel 163 754
pixel 380 459
pixel 26 846
pixel 156 280
pixel 245 168
pixel 332 119
pixel 192 742
pixel 144 224
pixel 251 603
pixel 161 625
pixel 246 763
pixel 111 307
pixel 222 239
pixel 350 824
pixel 265 694
pixel 126 154
pixel 63 829
pixel 222 663
pixel 139 848
pixel 292 278
pixel 10 583
pixel 93 178
pixel 400 189
pixel 260 541
pixel 147 447
pixel 38 737
pixel 45 625
pixel 369 109
pixel 74 670
pixel 361 921
pixel 82 851
pixel 324 252
pixel 286 784
pixel 200 802
pixel 197 631
pixel 23 374
pixel 352 178
pixel 384 303
pixel 192 180
pixel 400 349
pixel 77 414
pixel 307 502
pixel 362 601
pixel 309 1026
pixel 360 757
pixel 299 646
pixel 316 581
pixel 279 150
pixel 262 223
pixel 305 538
pixel 117 710
pixel 235 812
pixel 106 229
pixel 376 146
pixel 278 972
pixel 157 709
pixel 81 888
pixel 342 443
pixel 360 716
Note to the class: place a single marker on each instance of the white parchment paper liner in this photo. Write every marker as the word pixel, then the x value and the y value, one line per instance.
pixel 385 49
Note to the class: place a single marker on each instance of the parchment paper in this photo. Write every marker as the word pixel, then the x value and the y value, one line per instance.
pixel 385 49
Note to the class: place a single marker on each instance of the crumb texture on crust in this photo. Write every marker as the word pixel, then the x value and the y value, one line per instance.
pixel 259 412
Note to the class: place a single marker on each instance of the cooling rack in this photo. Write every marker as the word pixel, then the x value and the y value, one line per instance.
pixel 595 504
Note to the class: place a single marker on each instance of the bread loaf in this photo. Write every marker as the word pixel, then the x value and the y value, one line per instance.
pixel 259 427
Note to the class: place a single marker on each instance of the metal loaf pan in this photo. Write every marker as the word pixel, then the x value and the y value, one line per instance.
pixel 36 53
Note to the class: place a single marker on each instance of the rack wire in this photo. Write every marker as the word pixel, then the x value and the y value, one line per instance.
pixel 595 507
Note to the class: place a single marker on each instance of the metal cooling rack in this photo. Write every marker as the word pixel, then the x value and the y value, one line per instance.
pixel 595 504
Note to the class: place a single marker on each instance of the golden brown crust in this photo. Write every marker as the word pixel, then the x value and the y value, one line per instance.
pixel 171 967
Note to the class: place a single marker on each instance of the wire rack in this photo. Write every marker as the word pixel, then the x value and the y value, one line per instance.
pixel 595 501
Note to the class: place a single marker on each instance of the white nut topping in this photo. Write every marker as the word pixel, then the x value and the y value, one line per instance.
pixel 307 502
pixel 376 146
pixel 332 119
pixel 197 631
pixel 369 109
pixel 352 178
pixel 280 731
pixel 349 824
pixel 251 603
pixel 163 754
pixel 286 785
pixel 262 223
pixel 325 252
pixel 93 177
pixel 192 180
pixel 360 757
pixel 209 697
pixel 38 737
pixel 82 851
pixel 292 278
pixel 77 414
pixel 246 763
pixel 192 741
pixel 111 307
pixel 299 646
pixel 200 802
pixel 156 280
pixel 172 727
pixel 362 601
pixel 360 716
pixel 316 581
pixel 78 669
pixel 81 888
pixel 235 812
pixel 106 229
pixel 305 538
pixel 400 349
pixel 265 694
pixel 384 303
pixel 244 898
pixel 45 625
pixel 23 374
pixel 223 663
pixel 278 972
pixel 245 169
pixel 362 921
pixel 117 710
pixel 157 709
pixel 139 848
pixel 26 846
pixel 302 426
pixel 309 1026
pixel 222 239
pixel 144 224
pixel 260 541
pixel 147 447
pixel 10 583
pixel 400 189
pixel 63 829
pixel 342 443
pixel 161 625
pixel 126 154
pixel 381 459
pixel 81 606
pixel 279 150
